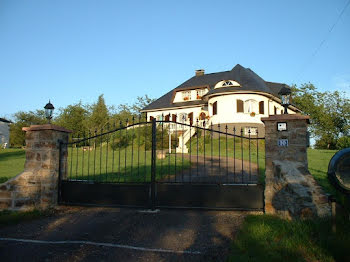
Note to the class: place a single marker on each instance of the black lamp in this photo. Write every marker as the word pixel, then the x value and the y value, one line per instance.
pixel 285 97
pixel 49 111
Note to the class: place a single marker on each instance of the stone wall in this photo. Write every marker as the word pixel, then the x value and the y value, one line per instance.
pixel 37 185
pixel 290 190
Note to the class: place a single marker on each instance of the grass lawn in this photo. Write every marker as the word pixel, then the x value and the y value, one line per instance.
pixel 11 163
pixel 124 165
pixel 268 238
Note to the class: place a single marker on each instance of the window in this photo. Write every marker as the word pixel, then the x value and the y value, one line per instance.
pixel 167 117
pixel 275 110
pixel 227 83
pixel 151 118
pixel 239 106
pixel 215 108
pixel 183 117
pixel 261 107
pixel 200 93
pixel 186 95
pixel 250 106
pixel 253 131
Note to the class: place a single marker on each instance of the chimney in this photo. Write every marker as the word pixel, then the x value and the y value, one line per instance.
pixel 199 72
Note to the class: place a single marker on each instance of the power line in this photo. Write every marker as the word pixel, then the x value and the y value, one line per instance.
pixel 323 41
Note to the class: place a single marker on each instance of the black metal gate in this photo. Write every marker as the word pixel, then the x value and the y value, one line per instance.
pixel 165 164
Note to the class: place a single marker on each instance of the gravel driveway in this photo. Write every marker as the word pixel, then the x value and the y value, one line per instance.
pixel 113 234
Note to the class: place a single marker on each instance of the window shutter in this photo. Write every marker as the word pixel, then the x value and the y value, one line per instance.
pixel 239 106
pixel 261 107
pixel 215 108
pixel 167 117
pixel 174 118
pixel 151 118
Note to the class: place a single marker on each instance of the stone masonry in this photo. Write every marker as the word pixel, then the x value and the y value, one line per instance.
pixel 37 185
pixel 290 191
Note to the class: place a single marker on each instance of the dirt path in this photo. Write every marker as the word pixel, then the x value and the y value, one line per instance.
pixel 112 234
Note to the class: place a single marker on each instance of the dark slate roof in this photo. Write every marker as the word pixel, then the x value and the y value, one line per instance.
pixel 5 120
pixel 248 80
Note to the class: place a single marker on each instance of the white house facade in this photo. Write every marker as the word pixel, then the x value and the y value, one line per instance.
pixel 238 98
pixel 4 133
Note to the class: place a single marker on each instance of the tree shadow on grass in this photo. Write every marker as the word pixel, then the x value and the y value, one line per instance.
pixel 10 155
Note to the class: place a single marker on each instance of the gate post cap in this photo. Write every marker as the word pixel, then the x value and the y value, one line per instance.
pixel 46 127
pixel 285 117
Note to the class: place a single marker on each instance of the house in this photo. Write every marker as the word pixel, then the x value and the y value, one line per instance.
pixel 238 98
pixel 4 132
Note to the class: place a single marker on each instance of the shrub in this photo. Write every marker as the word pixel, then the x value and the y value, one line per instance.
pixel 343 142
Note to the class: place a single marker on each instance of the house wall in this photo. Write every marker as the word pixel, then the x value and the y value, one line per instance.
pixel 4 133
pixel 195 110
pixel 227 109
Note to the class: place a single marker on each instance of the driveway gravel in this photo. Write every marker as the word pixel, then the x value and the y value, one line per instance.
pixel 122 234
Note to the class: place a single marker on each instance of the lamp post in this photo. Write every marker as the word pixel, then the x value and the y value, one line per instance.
pixel 49 111
pixel 285 97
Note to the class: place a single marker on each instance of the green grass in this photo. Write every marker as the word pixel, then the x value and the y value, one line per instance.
pixel 14 217
pixel 268 238
pixel 318 166
pixel 124 165
pixel 11 163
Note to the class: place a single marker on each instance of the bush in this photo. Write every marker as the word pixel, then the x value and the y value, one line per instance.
pixel 121 140
pixel 343 142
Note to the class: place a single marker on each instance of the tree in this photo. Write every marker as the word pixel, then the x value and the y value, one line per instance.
pixel 142 102
pixel 329 113
pixel 99 115
pixel 74 117
pixel 24 119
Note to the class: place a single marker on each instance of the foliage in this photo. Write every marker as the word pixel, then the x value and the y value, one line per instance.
pixel 74 117
pixel 329 113
pixel 24 119
pixel 99 115
pixel 121 140
pixel 82 119
pixel 343 142
pixel 269 238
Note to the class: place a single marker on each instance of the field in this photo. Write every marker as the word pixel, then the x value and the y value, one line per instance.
pixel 11 163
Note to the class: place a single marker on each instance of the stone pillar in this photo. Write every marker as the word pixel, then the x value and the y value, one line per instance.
pixel 290 190
pixel 37 185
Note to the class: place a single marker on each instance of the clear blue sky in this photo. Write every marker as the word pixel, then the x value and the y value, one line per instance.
pixel 68 51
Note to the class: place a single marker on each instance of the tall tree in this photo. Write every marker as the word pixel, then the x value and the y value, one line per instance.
pixel 24 119
pixel 99 115
pixel 329 113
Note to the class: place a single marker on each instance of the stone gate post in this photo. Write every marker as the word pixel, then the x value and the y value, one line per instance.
pixel 37 185
pixel 290 190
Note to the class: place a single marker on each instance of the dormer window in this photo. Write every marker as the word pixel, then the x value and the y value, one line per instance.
pixel 200 93
pixel 227 83
pixel 186 95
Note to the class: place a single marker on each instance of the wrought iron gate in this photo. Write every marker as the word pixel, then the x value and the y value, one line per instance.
pixel 165 164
